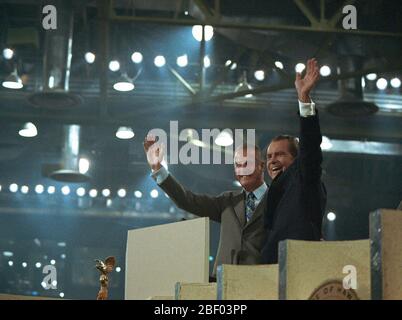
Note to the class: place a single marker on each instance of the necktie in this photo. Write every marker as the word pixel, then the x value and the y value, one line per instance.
pixel 250 205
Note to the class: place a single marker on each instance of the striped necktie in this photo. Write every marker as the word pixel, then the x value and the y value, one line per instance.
pixel 250 205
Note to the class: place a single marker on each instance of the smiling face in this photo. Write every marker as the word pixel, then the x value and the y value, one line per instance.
pixel 249 169
pixel 279 157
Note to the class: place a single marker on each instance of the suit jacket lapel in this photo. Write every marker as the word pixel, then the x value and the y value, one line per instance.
pixel 240 208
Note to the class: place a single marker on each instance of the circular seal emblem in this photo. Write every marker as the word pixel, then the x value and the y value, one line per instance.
pixel 333 290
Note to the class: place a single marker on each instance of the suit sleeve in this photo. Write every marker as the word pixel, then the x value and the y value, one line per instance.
pixel 198 204
pixel 310 154
pixel 310 160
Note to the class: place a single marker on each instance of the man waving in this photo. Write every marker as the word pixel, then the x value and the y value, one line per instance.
pixel 297 197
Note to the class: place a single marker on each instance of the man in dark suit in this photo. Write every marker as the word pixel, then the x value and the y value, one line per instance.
pixel 240 212
pixel 297 197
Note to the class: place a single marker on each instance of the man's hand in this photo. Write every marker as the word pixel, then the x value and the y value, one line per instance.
pixel 305 84
pixel 154 152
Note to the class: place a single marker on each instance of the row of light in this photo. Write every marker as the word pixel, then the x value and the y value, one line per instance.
pixel 182 61
pixel 29 130
pixel 224 139
pixel 38 265
pixel 382 83
pixel 137 57
pixel 126 84
pixel 65 190
pixel 25 264
pixel 159 60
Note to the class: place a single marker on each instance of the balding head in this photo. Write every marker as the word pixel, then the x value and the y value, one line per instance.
pixel 249 167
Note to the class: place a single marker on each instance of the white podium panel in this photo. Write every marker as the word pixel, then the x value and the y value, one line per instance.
pixel 158 257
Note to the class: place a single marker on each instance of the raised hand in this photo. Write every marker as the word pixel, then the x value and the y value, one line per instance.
pixel 154 152
pixel 305 84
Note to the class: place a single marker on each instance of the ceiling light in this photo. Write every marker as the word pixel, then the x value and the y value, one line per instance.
pixel 39 189
pixel 8 253
pixel 331 216
pixel 395 83
pixel 259 75
pixel 124 83
pixel 93 193
pixel 83 165
pixel 154 193
pixel 182 61
pixel 159 61
pixel 207 62
pixel 363 83
pixel 382 84
pixel 65 190
pixel 80 192
pixel 244 85
pixel 371 76
pixel 279 65
pixel 224 139
pixel 24 189
pixel 121 193
pixel 300 67
pixel 13 187
pixel 51 190
pixel 13 81
pixel 89 57
pixel 8 53
pixel 114 65
pixel 28 130
pixel 325 71
pixel 197 32
pixel 124 133
pixel 136 57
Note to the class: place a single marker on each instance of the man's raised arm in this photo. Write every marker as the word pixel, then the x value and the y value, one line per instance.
pixel 310 155
pixel 198 204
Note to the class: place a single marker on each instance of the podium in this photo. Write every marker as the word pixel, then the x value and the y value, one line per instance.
pixel 158 257
pixel 247 282
pixel 306 265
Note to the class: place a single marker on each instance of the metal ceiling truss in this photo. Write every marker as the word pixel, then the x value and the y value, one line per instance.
pixel 212 17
